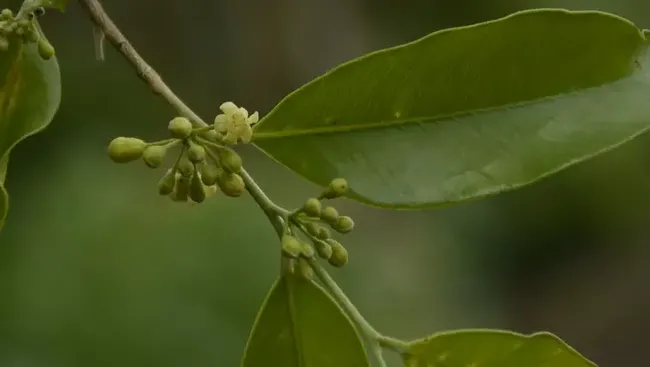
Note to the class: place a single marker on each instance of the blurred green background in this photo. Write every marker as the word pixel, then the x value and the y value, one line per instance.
pixel 97 270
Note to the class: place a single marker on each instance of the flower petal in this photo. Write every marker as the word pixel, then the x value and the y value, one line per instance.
pixel 222 123
pixel 246 134
pixel 243 112
pixel 228 108
pixel 254 118
pixel 231 137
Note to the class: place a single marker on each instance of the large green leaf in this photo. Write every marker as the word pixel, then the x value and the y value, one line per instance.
pixel 300 325
pixel 492 348
pixel 468 112
pixel 30 93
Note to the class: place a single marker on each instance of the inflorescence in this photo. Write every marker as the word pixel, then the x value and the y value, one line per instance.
pixel 24 29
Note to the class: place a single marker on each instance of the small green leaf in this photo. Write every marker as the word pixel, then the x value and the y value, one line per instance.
pixel 470 111
pixel 300 325
pixel 30 93
pixel 492 348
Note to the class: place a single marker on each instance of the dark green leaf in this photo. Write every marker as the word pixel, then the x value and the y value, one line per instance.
pixel 492 348
pixel 468 112
pixel 30 93
pixel 300 325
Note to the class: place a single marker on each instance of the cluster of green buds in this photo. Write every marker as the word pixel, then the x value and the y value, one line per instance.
pixel 316 221
pixel 24 28
pixel 204 165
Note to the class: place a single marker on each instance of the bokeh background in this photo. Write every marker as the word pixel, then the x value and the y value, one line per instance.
pixel 97 270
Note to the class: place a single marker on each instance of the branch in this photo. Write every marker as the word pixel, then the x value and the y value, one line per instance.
pixel 103 24
pixel 276 214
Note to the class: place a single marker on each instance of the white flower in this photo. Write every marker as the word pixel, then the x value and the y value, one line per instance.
pixel 235 123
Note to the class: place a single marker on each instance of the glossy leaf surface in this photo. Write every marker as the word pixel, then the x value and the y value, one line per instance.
pixel 30 94
pixel 493 348
pixel 300 325
pixel 468 112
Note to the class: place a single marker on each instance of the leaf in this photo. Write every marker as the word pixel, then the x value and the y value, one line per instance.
pixel 470 111
pixel 30 93
pixel 492 348
pixel 300 325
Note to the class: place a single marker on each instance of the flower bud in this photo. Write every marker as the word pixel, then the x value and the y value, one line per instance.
pixel 6 14
pixel 344 224
pixel 197 191
pixel 181 191
pixel 123 150
pixel 323 249
pixel 231 184
pixel 338 187
pixel 323 233
pixel 312 207
pixel 291 247
pixel 329 215
pixel 180 128
pixel 305 270
pixel 154 155
pixel 230 161
pixel 209 174
pixel 45 49
pixel 167 183
pixel 196 153
pixel 307 250
pixel 210 135
pixel 185 167
pixel 339 254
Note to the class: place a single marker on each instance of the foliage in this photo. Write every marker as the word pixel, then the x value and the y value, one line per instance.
pixel 457 115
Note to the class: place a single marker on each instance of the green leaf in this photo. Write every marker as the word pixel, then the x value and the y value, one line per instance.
pixel 300 325
pixel 468 112
pixel 492 348
pixel 30 93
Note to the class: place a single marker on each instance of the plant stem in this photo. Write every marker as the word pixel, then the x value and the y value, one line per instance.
pixel 114 36
pixel 276 214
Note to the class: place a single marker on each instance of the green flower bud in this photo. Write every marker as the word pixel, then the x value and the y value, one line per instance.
pixel 339 254
pixel 209 174
pixel 196 153
pixel 305 270
pixel 6 14
pixel 323 249
pixel 154 155
pixel 338 187
pixel 182 189
pixel 344 224
pixel 307 250
pixel 323 233
pixel 230 161
pixel 185 167
pixel 312 207
pixel 329 215
pixel 21 32
pixel 197 191
pixel 210 135
pixel 231 184
pixel 312 228
pixel 124 150
pixel 180 128
pixel 45 49
pixel 24 23
pixel 291 247
pixel 167 183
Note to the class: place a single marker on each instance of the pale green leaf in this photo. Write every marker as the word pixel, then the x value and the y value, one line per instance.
pixel 55 4
pixel 468 112
pixel 30 94
pixel 492 348
pixel 300 325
